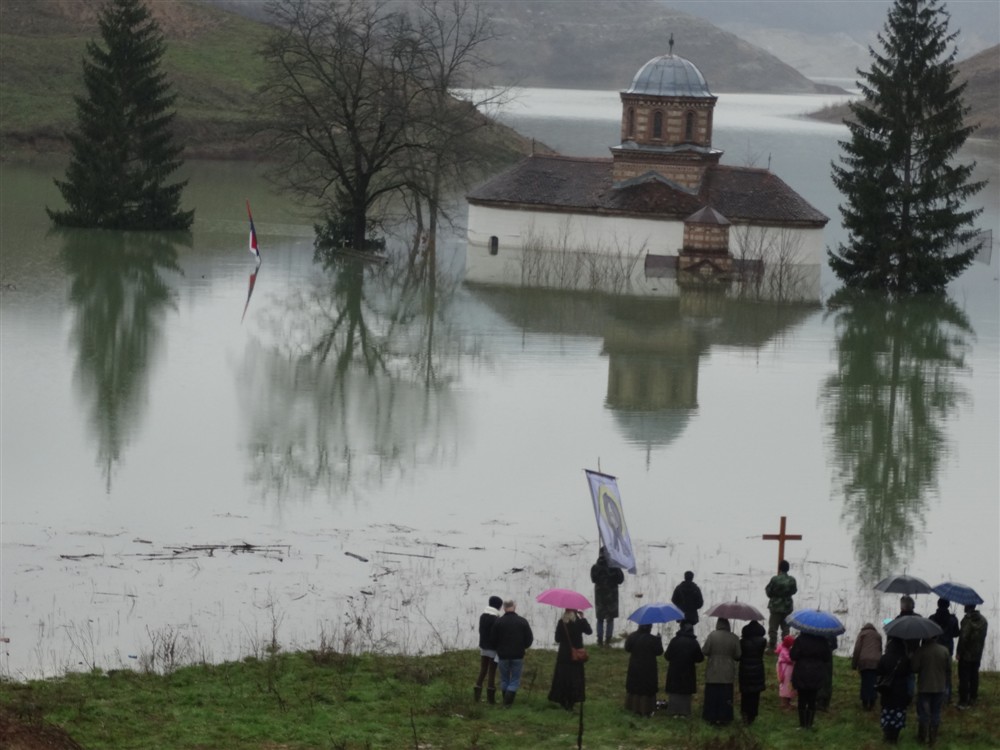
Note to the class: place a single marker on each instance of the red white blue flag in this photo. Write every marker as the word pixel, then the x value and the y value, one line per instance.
pixel 253 236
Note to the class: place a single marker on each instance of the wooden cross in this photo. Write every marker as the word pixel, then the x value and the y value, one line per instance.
pixel 781 536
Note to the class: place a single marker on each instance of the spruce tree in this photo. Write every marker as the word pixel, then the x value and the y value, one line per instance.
pixel 905 198
pixel 122 149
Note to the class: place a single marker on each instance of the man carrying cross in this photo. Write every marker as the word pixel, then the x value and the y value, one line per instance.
pixel 780 590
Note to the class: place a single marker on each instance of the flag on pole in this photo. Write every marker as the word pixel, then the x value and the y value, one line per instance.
pixel 611 520
pixel 253 236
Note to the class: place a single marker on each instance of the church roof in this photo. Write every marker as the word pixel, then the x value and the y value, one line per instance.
pixel 669 75
pixel 561 183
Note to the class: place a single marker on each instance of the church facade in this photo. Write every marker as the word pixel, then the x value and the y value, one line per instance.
pixel 660 214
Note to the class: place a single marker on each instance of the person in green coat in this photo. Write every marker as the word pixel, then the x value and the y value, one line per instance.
pixel 780 590
pixel 969 653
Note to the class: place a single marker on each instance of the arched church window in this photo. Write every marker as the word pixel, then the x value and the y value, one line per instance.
pixel 630 125
pixel 689 126
pixel 657 124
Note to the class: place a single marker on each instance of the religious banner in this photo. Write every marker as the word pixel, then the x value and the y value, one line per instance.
pixel 611 520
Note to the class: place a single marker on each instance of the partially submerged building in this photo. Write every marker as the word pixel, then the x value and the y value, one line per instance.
pixel 661 212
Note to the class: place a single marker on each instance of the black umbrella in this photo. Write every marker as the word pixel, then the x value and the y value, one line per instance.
pixel 903 584
pixel 912 628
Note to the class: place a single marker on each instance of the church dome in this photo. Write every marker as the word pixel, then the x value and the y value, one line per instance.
pixel 669 75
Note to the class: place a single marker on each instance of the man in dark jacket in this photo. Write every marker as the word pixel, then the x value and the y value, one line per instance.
pixel 510 637
pixel 811 653
pixel 606 580
pixel 949 632
pixel 687 598
pixel 969 652
pixel 780 590
pixel 751 672
pixel 931 663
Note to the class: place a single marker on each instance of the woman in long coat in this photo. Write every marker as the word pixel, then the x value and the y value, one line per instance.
pixel 722 649
pixel 568 679
pixel 752 673
pixel 893 677
pixel 642 679
pixel 811 654
pixel 682 654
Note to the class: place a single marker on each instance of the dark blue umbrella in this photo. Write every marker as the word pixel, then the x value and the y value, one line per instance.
pixel 816 621
pixel 648 614
pixel 958 593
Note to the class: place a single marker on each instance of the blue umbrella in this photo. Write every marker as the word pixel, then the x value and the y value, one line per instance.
pixel 816 621
pixel 648 614
pixel 958 593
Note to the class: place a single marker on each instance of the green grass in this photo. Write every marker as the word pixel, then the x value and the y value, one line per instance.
pixel 329 700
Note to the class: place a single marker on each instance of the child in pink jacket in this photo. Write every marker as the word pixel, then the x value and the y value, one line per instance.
pixel 785 667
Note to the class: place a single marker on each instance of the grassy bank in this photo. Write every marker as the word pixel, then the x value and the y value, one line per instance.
pixel 330 700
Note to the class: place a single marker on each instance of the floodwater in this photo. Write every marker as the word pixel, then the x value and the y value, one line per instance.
pixel 360 463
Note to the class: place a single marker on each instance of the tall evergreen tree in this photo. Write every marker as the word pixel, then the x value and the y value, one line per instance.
pixel 905 205
pixel 123 150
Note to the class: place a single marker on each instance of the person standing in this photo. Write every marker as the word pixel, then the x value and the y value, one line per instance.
pixel 948 623
pixel 753 641
pixel 810 653
pixel 569 680
pixel 722 650
pixel 687 598
pixel 931 663
pixel 864 659
pixel 785 669
pixel 510 637
pixel 642 679
pixel 780 590
pixel 893 685
pixel 969 652
pixel 606 580
pixel 487 656
pixel 825 694
pixel 682 654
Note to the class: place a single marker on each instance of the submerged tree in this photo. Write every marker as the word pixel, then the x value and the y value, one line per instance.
pixel 905 197
pixel 123 150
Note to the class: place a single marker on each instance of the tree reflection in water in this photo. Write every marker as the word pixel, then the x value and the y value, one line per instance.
pixel 887 407
pixel 120 299
pixel 351 385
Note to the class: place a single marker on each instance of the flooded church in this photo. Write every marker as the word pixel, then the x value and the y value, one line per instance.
pixel 658 216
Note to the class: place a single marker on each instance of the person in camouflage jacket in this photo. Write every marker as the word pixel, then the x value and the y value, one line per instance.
pixel 780 590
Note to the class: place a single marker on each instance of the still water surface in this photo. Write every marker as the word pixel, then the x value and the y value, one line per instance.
pixel 393 457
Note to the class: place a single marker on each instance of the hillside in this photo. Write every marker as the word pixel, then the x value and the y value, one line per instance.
pixel 211 60
pixel 981 72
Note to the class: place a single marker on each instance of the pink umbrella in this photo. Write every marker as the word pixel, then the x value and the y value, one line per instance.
pixel 564 598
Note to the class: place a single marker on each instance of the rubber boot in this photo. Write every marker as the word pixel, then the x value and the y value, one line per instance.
pixel 508 698
pixel 932 734
pixel 921 733
pixel 477 693
pixel 491 695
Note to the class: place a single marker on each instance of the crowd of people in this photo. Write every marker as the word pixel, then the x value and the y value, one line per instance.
pixel 907 672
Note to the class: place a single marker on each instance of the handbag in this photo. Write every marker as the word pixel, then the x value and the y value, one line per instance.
pixel 575 654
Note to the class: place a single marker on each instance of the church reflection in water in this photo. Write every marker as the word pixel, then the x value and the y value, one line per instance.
pixel 120 298
pixel 887 409
pixel 654 345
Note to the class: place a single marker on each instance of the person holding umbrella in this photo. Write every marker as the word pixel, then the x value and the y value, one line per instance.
pixel 810 653
pixel 642 679
pixel 682 654
pixel 893 686
pixel 948 623
pixel 569 679
pixel 722 649
pixel 931 663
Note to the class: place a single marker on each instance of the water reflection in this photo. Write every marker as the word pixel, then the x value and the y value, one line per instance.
pixel 120 299
pixel 888 406
pixel 351 384
pixel 654 345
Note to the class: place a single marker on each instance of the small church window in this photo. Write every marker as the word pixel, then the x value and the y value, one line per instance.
pixel 494 245
pixel 689 127
pixel 657 124
pixel 631 123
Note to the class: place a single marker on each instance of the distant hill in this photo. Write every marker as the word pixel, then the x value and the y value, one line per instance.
pixel 596 44
pixel 982 95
